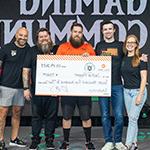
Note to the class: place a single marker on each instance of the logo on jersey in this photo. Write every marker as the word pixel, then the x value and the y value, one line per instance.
pixel 110 52
pixel 13 52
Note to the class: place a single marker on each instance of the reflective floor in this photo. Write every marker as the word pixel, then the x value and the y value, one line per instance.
pixel 77 140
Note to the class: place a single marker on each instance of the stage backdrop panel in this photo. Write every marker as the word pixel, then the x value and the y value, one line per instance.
pixel 130 17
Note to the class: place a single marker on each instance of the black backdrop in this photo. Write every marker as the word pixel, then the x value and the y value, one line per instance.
pixel 131 17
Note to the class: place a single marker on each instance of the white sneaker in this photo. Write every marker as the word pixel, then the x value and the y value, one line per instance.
pixel 120 146
pixel 108 146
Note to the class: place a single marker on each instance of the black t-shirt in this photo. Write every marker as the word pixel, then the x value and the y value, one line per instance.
pixel 114 49
pixel 30 61
pixel 12 58
pixel 131 75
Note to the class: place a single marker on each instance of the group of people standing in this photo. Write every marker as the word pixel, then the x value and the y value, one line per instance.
pixel 18 73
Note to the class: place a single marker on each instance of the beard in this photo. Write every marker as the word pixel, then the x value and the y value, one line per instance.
pixel 76 43
pixel 45 48
pixel 21 42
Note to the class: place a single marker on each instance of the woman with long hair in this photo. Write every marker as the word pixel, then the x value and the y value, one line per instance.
pixel 134 73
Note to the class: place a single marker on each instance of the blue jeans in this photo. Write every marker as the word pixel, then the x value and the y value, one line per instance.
pixel 133 112
pixel 117 103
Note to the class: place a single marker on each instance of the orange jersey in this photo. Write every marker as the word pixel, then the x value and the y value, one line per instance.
pixel 68 49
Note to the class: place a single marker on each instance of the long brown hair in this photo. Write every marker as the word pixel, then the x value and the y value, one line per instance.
pixel 136 57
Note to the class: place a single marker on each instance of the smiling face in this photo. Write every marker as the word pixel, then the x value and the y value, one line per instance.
pixel 43 37
pixel 108 31
pixel 77 33
pixel 44 41
pixel 21 37
pixel 131 44
pixel 131 49
pixel 76 37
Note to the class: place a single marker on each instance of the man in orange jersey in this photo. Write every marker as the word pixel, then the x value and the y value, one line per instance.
pixel 76 46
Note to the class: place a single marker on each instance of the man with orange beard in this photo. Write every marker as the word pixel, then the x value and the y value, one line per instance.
pixel 76 46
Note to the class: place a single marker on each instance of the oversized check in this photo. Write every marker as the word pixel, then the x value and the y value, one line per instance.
pixel 73 75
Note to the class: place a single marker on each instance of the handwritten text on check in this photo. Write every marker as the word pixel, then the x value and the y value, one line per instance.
pixel 73 75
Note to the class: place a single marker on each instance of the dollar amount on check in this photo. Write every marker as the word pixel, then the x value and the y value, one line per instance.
pixel 73 75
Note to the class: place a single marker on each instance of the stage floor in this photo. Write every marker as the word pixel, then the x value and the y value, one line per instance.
pixel 77 139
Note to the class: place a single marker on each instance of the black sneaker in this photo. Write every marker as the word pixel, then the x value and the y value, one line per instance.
pixel 64 146
pixel 134 147
pixel 2 145
pixel 89 146
pixel 49 143
pixel 17 142
pixel 35 143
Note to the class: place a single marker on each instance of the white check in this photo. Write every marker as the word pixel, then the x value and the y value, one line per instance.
pixel 73 75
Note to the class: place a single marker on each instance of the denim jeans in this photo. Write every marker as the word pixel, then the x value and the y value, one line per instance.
pixel 117 103
pixel 133 112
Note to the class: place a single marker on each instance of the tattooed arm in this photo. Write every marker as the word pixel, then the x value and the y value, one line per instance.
pixel 26 83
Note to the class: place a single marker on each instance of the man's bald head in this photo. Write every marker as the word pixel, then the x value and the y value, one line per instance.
pixel 21 37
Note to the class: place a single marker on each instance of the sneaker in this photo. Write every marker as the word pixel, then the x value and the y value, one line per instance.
pixel 108 146
pixel 2 145
pixel 17 142
pixel 49 143
pixel 120 146
pixel 89 146
pixel 64 146
pixel 35 143
pixel 127 147
pixel 134 147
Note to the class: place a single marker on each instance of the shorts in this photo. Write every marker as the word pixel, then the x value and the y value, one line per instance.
pixel 68 104
pixel 11 96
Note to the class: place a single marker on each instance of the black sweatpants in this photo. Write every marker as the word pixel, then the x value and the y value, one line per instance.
pixel 44 109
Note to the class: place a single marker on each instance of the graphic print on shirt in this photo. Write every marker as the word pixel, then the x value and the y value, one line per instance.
pixel 13 52
pixel 110 52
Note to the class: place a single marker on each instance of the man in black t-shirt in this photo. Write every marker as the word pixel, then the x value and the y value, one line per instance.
pixel 44 108
pixel 113 48
pixel 11 90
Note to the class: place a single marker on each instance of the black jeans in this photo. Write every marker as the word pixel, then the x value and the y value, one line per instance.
pixel 44 112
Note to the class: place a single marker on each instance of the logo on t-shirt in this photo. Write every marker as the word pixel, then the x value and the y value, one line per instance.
pixel 110 52
pixel 13 52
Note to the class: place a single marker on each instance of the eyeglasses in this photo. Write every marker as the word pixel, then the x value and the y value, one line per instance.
pixel 131 42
